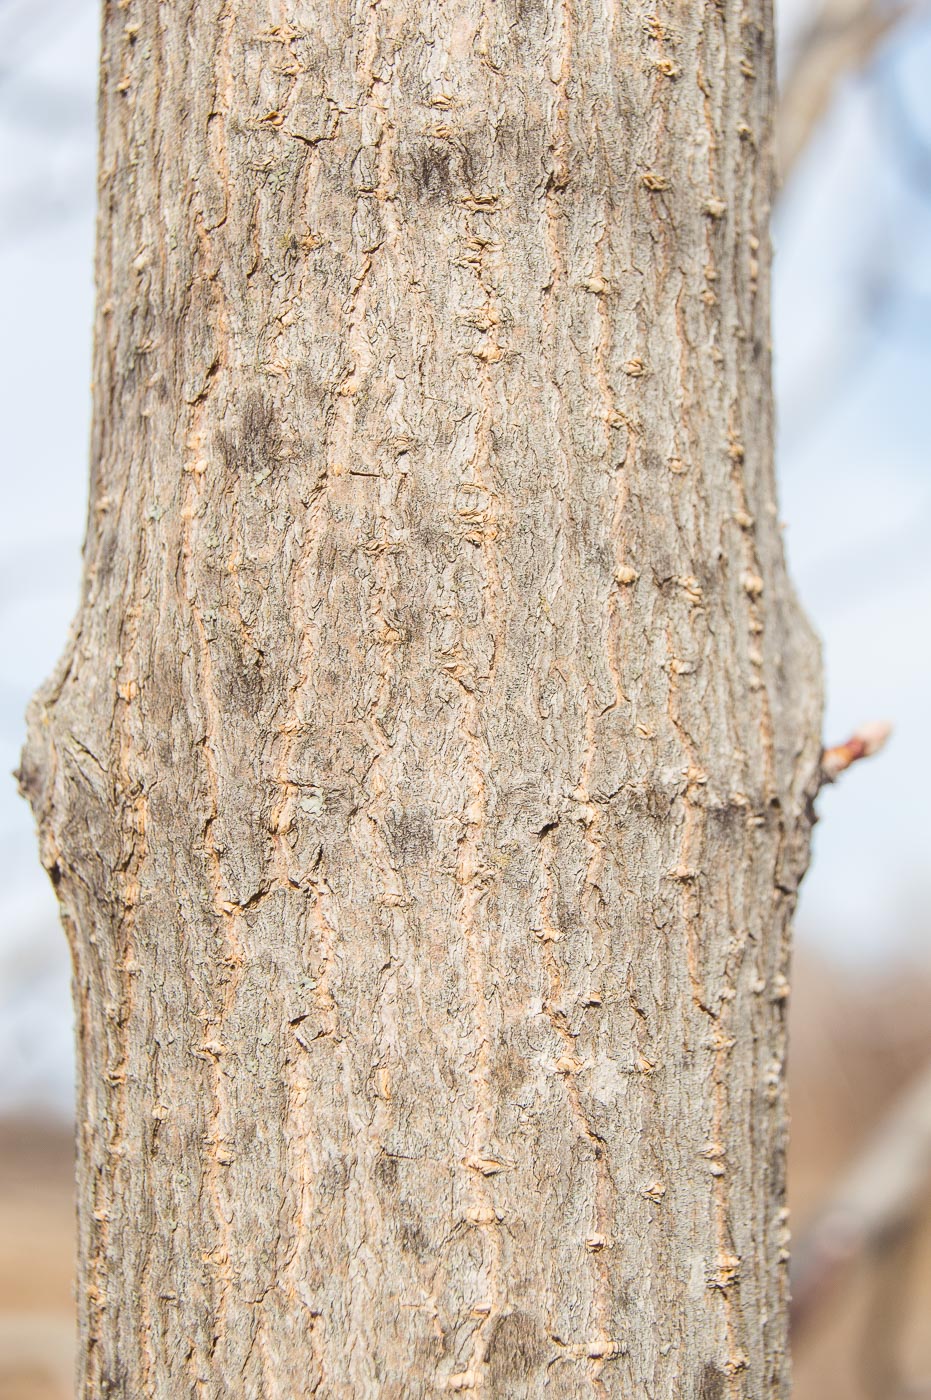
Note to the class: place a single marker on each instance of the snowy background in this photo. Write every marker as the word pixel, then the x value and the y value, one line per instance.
pixel 853 343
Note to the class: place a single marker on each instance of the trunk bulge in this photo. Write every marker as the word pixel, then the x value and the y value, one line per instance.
pixel 427 781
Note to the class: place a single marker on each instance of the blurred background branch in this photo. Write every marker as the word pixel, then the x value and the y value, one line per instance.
pixel 873 1207
pixel 840 38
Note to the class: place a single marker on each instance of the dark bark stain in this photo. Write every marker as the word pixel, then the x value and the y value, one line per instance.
pixel 386 1171
pixel 516 1350
pixel 256 444
pixel 711 1383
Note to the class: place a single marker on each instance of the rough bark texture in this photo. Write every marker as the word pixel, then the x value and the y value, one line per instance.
pixel 427 782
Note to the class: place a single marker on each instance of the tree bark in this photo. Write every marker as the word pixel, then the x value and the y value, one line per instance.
pixel 428 778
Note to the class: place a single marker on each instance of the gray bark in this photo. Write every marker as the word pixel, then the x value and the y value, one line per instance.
pixel 428 778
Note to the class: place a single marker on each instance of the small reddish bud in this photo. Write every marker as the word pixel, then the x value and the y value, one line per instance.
pixel 869 739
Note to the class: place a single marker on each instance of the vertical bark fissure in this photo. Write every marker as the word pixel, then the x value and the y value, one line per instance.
pixel 428 778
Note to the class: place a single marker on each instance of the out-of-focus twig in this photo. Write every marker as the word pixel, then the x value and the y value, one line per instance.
pixel 840 38
pixel 881 1339
pixel 882 1192
pixel 868 739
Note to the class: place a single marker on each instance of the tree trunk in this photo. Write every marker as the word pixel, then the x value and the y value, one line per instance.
pixel 428 779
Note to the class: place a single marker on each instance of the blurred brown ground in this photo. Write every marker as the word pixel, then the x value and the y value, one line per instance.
pixel 36 1229
pixel 855 1042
